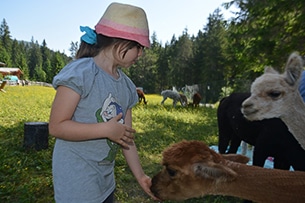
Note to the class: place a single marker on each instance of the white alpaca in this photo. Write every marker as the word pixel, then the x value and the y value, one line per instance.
pixel 175 96
pixel 277 95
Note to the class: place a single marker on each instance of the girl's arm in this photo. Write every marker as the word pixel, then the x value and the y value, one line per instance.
pixel 133 161
pixel 61 125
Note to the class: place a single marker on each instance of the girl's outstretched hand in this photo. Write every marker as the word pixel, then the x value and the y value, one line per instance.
pixel 120 133
pixel 145 183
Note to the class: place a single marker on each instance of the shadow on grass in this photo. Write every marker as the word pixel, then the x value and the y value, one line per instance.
pixel 25 175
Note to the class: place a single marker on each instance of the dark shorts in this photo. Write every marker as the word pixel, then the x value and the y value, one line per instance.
pixel 110 198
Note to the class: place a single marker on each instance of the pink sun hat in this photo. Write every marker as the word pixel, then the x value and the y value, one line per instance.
pixel 126 22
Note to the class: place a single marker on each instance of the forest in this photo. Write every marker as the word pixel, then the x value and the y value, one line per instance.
pixel 225 56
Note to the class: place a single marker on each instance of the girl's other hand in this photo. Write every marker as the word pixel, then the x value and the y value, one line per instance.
pixel 120 133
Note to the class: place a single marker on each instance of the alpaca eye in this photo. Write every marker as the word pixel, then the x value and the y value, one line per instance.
pixel 171 172
pixel 274 94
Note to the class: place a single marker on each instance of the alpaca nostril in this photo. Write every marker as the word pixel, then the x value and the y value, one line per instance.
pixel 246 105
pixel 154 190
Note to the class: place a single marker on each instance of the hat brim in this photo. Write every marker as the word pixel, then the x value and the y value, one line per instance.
pixel 140 36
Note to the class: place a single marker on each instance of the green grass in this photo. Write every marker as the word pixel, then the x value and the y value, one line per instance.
pixel 26 175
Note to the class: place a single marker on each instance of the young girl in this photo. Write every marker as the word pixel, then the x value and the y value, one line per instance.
pixel 91 114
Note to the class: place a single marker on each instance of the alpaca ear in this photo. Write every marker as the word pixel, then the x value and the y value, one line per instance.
pixel 269 69
pixel 214 171
pixel 294 68
pixel 236 158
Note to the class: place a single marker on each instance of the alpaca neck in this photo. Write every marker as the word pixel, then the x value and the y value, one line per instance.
pixel 263 185
pixel 294 119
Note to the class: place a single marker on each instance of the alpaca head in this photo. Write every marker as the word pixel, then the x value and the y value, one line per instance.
pixel 190 168
pixel 272 94
pixel 183 99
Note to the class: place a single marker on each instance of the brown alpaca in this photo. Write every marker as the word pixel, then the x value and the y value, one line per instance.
pixel 196 99
pixel 183 99
pixel 192 169
pixel 275 95
pixel 141 96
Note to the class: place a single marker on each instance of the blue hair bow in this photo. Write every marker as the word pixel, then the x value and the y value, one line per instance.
pixel 89 36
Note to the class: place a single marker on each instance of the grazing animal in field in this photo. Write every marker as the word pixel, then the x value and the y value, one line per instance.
pixel 275 95
pixel 141 96
pixel 191 169
pixel 196 99
pixel 269 136
pixel 183 99
pixel 175 96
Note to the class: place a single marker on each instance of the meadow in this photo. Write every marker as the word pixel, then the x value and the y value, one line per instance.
pixel 26 175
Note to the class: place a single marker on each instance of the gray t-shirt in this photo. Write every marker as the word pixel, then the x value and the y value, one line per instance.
pixel 83 171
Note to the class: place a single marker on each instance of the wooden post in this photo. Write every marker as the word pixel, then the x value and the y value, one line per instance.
pixel 36 135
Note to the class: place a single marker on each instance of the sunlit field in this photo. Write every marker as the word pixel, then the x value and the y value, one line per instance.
pixel 26 175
